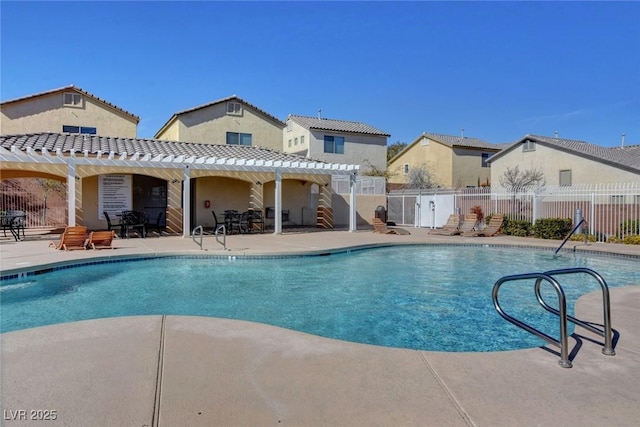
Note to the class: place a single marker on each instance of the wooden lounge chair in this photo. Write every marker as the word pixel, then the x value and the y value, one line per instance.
pixel 468 224
pixel 381 227
pixel 100 239
pixel 450 228
pixel 491 229
pixel 72 238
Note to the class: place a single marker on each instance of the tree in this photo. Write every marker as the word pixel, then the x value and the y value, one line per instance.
pixel 394 149
pixel 421 177
pixel 48 186
pixel 514 180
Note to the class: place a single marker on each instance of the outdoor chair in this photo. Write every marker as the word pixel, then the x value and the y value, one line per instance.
pixel 217 224
pixel 14 221
pixel 157 225
pixel 133 220
pixel 491 229
pixel 100 240
pixel 468 224
pixel 381 227
pixel 256 220
pixel 110 225
pixel 72 237
pixel 450 228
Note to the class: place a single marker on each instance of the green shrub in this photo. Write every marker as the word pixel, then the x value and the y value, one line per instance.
pixel 580 238
pixel 632 239
pixel 552 228
pixel 614 239
pixel 630 226
pixel 513 227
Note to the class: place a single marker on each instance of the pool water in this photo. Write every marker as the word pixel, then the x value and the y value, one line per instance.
pixel 418 297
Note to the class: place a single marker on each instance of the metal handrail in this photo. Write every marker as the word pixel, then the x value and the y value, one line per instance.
pixel 562 302
pixel 606 306
pixel 582 221
pixel 224 236
pixel 193 235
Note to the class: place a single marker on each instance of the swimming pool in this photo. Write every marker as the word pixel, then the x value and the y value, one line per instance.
pixel 418 297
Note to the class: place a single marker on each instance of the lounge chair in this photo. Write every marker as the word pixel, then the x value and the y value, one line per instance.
pixel 450 228
pixel 468 224
pixel 381 227
pixel 72 238
pixel 100 239
pixel 491 229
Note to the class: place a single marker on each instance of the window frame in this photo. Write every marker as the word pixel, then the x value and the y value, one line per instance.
pixel 560 180
pixel 74 96
pixel 234 108
pixel 405 169
pixel 239 138
pixel 82 130
pixel 485 157
pixel 336 142
pixel 529 145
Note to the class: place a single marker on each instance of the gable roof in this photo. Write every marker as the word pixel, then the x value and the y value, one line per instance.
pixel 336 125
pixel 627 158
pixel 67 89
pixel 452 142
pixel 219 101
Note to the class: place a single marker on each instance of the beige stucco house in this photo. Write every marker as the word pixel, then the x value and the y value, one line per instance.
pixel 69 110
pixel 230 120
pixel 336 141
pixel 568 162
pixel 453 161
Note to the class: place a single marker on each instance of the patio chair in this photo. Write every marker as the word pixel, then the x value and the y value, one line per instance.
pixel 381 227
pixel 216 223
pixel 72 237
pixel 491 229
pixel 133 220
pixel 100 240
pixel 110 225
pixel 256 220
pixel 450 228
pixel 468 224
pixel 157 225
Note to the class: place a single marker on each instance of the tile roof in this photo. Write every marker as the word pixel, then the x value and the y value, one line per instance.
pixel 336 125
pixel 458 141
pixel 219 101
pixel 68 88
pixel 625 157
pixel 93 143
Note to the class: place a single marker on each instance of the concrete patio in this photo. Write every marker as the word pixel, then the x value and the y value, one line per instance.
pixel 197 371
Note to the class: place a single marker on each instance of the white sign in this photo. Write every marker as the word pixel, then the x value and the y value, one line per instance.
pixel 114 194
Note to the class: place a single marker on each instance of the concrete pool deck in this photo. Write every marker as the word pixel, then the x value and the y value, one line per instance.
pixel 199 371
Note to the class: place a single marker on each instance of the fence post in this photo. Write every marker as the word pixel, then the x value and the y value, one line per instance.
pixel 592 217
pixel 535 209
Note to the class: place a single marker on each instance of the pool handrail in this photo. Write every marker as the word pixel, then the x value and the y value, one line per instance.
pixel 582 221
pixel 562 302
pixel 606 333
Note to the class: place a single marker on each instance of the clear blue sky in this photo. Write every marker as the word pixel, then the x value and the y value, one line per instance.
pixel 499 70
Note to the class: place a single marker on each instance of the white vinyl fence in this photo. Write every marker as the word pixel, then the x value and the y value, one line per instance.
pixel 609 209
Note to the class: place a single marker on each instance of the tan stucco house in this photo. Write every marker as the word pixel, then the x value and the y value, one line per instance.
pixel 567 162
pixel 336 141
pixel 68 110
pixel 454 161
pixel 230 120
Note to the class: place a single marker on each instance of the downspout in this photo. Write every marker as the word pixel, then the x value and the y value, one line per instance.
pixel 353 226
pixel 186 201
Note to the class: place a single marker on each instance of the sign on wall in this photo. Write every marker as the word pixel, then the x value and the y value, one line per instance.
pixel 114 194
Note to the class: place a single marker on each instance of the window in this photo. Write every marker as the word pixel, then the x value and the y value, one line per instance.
pixel 289 126
pixel 565 177
pixel 529 146
pixel 234 108
pixel 334 144
pixel 302 140
pixel 405 169
pixel 234 138
pixel 71 99
pixel 295 141
pixel 79 129
pixel 485 157
pixel 289 143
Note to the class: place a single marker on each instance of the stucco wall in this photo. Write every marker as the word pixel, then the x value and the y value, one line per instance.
pixel 467 168
pixel 48 114
pixel 437 157
pixel 291 133
pixel 552 161
pixel 358 149
pixel 210 125
pixel 365 209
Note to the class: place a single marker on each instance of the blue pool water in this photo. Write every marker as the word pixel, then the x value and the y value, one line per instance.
pixel 418 297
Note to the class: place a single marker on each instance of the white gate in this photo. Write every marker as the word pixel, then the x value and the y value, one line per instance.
pixel 433 210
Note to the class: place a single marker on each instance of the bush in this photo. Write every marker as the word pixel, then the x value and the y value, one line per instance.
pixel 552 228
pixel 614 239
pixel 630 226
pixel 513 227
pixel 580 238
pixel 632 239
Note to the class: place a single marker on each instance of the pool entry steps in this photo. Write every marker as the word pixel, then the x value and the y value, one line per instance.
pixel 562 311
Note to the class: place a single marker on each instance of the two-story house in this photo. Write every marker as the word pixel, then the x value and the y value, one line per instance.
pixel 68 110
pixel 333 141
pixel 230 120
pixel 453 161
